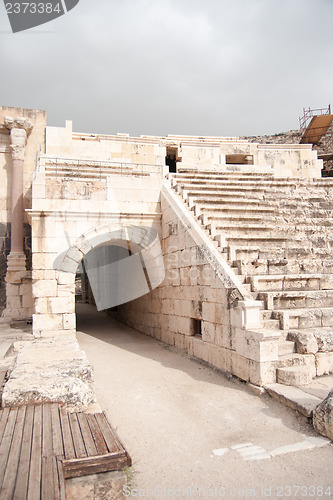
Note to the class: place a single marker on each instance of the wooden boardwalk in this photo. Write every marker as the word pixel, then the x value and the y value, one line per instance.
pixel 42 445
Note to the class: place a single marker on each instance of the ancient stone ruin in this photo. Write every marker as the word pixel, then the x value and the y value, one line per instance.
pixel 245 230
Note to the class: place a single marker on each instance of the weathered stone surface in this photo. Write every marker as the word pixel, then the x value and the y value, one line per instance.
pixel 50 370
pixel 306 342
pixel 293 398
pixel 105 486
pixel 323 417
pixel 324 339
pixel 324 363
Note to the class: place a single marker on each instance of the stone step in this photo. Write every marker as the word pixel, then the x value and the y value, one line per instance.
pixel 238 230
pixel 323 336
pixel 238 218
pixel 286 348
pixel 291 282
pixel 263 242
pixel 305 265
pixel 299 319
pixel 294 359
pixel 295 375
pixel 228 203
pixel 294 398
pixel 271 324
pixel 213 174
pixel 296 299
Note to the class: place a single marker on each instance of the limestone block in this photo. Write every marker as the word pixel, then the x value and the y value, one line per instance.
pixel 327 318
pixel 168 337
pixel 180 341
pixel 50 370
pixel 47 322
pixel 223 337
pixel 65 290
pixel 189 345
pixel 13 290
pixel 59 305
pixel 324 339
pixel 41 274
pixel 184 325
pixel 43 260
pixel 83 244
pixel 208 332
pixel 208 311
pixel 262 373
pixel 44 288
pixel 306 342
pixel 250 346
pixel 310 318
pixel 75 254
pixel 27 301
pixel 323 417
pixel 104 486
pixel 14 302
pixel 324 363
pixel 41 305
pixel 25 289
pixel 200 349
pixel 68 265
pixel 69 321
pixel 240 366
pixel 65 278
pixel 222 313
pixel 218 356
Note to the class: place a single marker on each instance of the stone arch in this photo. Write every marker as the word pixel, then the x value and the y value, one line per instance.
pixel 146 260
pixel 54 299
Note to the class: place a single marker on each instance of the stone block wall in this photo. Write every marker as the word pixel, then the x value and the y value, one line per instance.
pixel 199 308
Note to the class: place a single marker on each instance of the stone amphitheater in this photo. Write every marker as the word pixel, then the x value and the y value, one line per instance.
pixel 244 235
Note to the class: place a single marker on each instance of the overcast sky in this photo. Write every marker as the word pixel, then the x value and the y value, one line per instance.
pixel 209 67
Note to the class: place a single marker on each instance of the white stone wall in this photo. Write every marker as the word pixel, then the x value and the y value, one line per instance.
pixel 196 287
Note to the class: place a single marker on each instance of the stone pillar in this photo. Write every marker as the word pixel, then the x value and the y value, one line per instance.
pixel 18 289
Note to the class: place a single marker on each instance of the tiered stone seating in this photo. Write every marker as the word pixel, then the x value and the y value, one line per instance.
pixel 277 235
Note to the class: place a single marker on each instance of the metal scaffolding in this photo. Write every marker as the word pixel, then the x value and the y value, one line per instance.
pixel 317 129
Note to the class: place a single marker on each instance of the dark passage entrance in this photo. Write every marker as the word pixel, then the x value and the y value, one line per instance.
pixel 171 159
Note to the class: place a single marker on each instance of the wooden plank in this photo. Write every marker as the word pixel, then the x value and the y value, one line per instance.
pixel 110 434
pixel 66 435
pixel 34 485
pixel 97 435
pixel 6 442
pixel 58 447
pixel 8 484
pixel 48 490
pixel 79 447
pixel 3 422
pixel 22 478
pixel 87 436
pixel 94 465
pixel 47 431
pixel 61 480
pixel 110 438
pixel 317 127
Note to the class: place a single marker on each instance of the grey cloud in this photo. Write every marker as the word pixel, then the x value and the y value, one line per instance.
pixel 219 67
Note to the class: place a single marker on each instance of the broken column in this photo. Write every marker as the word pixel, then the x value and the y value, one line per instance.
pixel 18 288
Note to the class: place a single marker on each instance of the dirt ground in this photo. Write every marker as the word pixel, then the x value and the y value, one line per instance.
pixel 192 432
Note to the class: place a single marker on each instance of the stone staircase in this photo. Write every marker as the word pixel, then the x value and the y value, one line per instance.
pixel 277 236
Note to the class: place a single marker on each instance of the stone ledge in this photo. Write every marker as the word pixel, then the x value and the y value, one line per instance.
pixel 50 370
pixel 294 398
